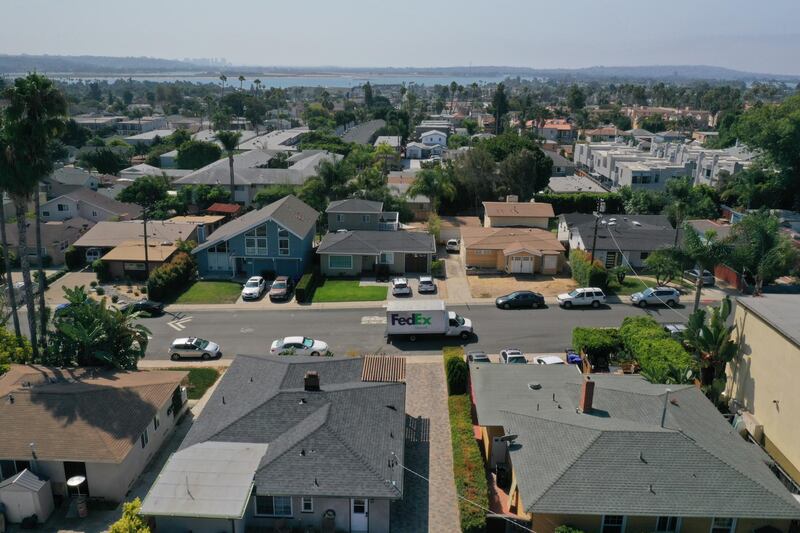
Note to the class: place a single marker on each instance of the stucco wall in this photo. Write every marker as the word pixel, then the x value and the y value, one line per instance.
pixel 527 222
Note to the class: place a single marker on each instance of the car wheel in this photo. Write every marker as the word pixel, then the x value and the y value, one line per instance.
pixel 206 356
pixel 175 357
pixel 535 305
pixel 506 306
pixel 595 304
pixel 642 304
pixel 670 303
pixel 314 354
pixel 412 338
pixel 567 305
pixel 464 335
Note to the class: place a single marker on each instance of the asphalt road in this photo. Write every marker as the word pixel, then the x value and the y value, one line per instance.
pixel 361 331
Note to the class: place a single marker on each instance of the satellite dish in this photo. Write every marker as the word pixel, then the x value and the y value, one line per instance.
pixel 508 438
pixel 76 481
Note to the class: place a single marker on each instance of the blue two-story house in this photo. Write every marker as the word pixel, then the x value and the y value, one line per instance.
pixel 277 238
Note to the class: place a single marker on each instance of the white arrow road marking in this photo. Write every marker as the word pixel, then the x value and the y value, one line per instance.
pixel 247 330
pixel 373 320
pixel 179 324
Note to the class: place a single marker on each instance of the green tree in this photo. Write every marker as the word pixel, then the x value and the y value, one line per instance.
pixel 89 333
pixel 13 349
pixel 710 336
pixel 7 177
pixel 761 249
pixel 202 196
pixel 229 141
pixel 131 520
pixel 664 264
pixel 525 173
pixel 435 183
pixel 272 193
pixel 75 135
pixel 146 191
pixel 197 154
pixel 500 104
pixel 705 252
pixel 576 99
pixel 34 118
pixel 653 123
pixel 104 160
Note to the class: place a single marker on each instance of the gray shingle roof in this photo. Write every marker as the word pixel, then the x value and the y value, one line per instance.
pixel 651 233
pixel 619 459
pixel 103 202
pixel 289 212
pixel 354 205
pixel 375 242
pixel 336 442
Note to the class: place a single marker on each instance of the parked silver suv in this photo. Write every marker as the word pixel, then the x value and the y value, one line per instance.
pixel 656 296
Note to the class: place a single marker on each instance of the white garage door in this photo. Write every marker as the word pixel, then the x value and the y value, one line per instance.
pixel 521 265
pixel 550 263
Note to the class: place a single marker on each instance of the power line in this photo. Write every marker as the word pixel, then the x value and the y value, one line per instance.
pixel 479 506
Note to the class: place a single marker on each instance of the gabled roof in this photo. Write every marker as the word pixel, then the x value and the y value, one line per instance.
pixel 338 441
pixel 72 176
pixel 777 310
pixel 26 480
pixel 354 205
pixel 518 209
pixel 433 132
pixel 80 414
pixel 107 234
pixel 628 232
pixel 510 239
pixel 374 242
pixel 619 458
pixel 291 213
pixel 93 198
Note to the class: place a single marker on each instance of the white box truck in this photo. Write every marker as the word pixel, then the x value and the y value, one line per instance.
pixel 413 319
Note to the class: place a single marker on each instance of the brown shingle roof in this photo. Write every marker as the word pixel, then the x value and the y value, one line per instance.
pixel 79 414
pixel 518 209
pixel 511 239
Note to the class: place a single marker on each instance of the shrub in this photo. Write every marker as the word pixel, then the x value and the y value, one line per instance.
pixel 468 468
pixel 437 267
pixel 73 258
pixel 93 283
pixel 567 529
pixel 661 358
pixel 100 291
pixel 587 273
pixel 171 278
pixel 305 287
pixel 596 342
pixel 101 269
pixel 114 298
pixel 456 371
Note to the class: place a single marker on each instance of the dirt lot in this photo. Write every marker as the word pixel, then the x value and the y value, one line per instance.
pixel 492 286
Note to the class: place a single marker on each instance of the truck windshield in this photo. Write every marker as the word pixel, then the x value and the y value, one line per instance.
pixel 460 320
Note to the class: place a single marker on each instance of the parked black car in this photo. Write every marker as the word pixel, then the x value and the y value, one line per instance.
pixel 520 299
pixel 147 306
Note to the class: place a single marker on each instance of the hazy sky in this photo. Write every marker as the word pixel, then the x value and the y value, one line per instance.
pixel 754 35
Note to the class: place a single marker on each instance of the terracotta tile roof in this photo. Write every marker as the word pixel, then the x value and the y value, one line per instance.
pixel 79 414
pixel 511 239
pixel 228 209
pixel 518 209
pixel 557 124
pixel 384 368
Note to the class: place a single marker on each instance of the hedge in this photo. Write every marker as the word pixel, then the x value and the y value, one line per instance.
pixel 171 278
pixel 456 370
pixel 101 269
pixel 305 287
pixel 582 202
pixel 596 342
pixel 468 468
pixel 586 273
pixel 661 358
pixel 73 258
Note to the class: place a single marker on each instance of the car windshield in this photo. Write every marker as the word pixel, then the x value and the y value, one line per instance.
pixel 574 293
pixel 400 285
pixel 200 343
pixel 251 284
pixel 516 359
pixel 308 343
pixel 279 285
pixel 647 292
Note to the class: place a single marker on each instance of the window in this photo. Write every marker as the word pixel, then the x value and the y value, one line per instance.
pixel 11 468
pixel 339 217
pixel 273 505
pixel 340 262
pixel 387 258
pixel 482 252
pixel 45 213
pixel 667 524
pixel 144 439
pixel 723 525
pixel 613 524
pixel 366 219
pixel 644 255
pixel 307 505
pixel 255 241
pixel 63 207
pixel 220 248
pixel 283 241
pixel 156 423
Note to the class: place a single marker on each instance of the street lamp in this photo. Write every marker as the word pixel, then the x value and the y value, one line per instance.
pixel 601 208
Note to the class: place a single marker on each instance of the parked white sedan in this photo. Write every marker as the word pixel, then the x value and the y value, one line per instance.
pixel 298 346
pixel 254 288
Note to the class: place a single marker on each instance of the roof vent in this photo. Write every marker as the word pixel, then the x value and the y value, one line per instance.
pixel 311 380
pixel 534 386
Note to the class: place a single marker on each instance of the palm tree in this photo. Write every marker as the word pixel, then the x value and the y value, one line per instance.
pixel 257 84
pixel 223 78
pixel 710 336
pixel 34 117
pixel 453 89
pixel 241 82
pixel 434 183
pixel 12 299
pixel 229 141
pixel 705 252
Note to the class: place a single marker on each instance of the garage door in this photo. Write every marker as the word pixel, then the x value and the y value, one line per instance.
pixel 521 265
pixel 550 263
pixel 416 263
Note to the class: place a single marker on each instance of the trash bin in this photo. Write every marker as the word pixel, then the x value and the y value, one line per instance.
pixel 82 507
pixel 329 521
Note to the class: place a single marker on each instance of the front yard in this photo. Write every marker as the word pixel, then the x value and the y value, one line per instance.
pixel 492 286
pixel 348 291
pixel 210 292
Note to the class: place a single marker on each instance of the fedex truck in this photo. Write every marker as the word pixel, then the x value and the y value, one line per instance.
pixel 412 319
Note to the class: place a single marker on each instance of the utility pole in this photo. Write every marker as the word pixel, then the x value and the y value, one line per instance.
pixel 601 208
pixel 146 257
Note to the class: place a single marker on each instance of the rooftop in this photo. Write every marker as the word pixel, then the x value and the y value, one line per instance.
pixel 375 242
pixel 354 205
pixel 134 251
pixel 560 184
pixel 108 234
pixel 777 310
pixel 518 209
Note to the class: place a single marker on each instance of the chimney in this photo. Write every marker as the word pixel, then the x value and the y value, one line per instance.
pixel 311 381
pixel 511 198
pixel 587 395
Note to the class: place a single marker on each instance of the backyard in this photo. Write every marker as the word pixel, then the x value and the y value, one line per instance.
pixel 348 291
pixel 210 292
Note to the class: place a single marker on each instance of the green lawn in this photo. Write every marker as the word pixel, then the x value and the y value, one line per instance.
pixel 632 284
pixel 200 379
pixel 210 292
pixel 348 291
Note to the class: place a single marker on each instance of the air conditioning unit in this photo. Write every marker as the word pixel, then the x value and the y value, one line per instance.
pixel 753 427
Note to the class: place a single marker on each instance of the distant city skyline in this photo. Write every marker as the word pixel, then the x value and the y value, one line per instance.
pixel 737 34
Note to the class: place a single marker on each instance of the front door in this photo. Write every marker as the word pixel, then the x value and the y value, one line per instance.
pixel 359 514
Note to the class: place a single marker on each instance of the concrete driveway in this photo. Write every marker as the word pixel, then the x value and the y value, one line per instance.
pixel 413 282
pixel 54 294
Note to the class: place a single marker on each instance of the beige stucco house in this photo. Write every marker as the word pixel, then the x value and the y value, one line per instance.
pixel 762 379
pixel 512 250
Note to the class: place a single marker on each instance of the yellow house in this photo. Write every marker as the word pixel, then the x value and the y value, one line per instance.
pixel 762 379
pixel 616 454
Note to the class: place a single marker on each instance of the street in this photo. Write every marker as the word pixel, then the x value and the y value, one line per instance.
pixel 361 331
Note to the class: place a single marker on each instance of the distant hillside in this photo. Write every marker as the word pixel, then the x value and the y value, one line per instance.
pixel 98 65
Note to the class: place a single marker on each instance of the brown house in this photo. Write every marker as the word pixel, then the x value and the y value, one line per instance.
pixel 512 250
pixel 517 214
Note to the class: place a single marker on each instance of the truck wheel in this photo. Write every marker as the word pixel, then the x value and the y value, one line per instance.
pixel 412 338
pixel 465 335
pixel 175 357
pixel 595 304
pixel 567 305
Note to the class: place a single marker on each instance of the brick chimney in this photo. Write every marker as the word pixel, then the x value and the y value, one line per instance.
pixel 587 395
pixel 311 381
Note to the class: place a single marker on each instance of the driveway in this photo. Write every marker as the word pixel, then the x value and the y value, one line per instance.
pixel 457 285
pixel 494 285
pixel 427 505
pixel 413 282
pixel 54 294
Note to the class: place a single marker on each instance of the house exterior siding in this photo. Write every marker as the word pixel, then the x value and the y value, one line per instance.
pixel 353 221
pixel 504 222
pixel 363 264
pixel 71 209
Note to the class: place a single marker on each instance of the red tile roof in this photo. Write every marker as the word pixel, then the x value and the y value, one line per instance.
pixel 228 209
